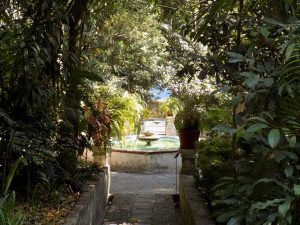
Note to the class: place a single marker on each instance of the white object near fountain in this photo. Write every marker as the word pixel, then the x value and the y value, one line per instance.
pixel 155 126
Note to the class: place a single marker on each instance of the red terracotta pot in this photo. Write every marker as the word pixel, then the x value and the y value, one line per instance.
pixel 188 138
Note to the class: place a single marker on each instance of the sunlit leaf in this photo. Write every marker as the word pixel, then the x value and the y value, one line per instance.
pixel 274 137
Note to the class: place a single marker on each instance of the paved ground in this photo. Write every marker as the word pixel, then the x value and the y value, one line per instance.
pixel 142 199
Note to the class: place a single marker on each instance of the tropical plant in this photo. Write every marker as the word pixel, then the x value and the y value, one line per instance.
pixel 170 106
pixel 114 113
pixel 38 117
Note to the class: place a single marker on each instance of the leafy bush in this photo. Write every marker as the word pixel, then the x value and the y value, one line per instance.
pixel 213 160
pixel 265 186
pixel 8 214
pixel 217 115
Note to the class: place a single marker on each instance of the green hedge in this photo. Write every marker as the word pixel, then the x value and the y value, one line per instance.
pixel 213 160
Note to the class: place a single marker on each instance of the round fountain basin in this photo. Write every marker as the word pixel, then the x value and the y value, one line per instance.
pixel 132 143
pixel 135 155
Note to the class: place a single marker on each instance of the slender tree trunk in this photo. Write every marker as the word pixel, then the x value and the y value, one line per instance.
pixel 76 25
pixel 234 111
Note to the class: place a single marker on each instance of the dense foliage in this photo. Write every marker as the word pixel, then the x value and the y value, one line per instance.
pixel 57 59
pixel 54 56
pixel 253 54
pixel 33 138
pixel 213 157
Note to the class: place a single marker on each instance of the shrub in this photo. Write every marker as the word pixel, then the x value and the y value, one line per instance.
pixel 213 161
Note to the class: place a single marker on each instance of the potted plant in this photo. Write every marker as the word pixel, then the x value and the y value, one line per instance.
pixel 188 121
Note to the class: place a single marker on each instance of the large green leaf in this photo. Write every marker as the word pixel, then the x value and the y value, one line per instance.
pixel 236 55
pixel 274 137
pixel 235 221
pixel 296 189
pixel 252 82
pixel 256 127
pixel 12 172
pixel 285 207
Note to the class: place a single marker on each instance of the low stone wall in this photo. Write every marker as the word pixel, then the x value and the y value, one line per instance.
pixel 90 208
pixel 192 205
pixel 144 160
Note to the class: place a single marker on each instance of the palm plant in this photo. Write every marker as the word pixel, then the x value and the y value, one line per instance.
pixel 170 107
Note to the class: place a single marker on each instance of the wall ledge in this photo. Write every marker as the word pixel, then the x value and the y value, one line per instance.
pixel 90 207
pixel 192 205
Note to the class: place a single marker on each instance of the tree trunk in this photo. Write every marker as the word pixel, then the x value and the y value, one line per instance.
pixel 234 146
pixel 76 24
pixel 73 95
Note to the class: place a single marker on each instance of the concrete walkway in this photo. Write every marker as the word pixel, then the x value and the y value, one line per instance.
pixel 142 199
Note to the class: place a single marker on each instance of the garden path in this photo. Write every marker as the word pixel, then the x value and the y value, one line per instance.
pixel 142 199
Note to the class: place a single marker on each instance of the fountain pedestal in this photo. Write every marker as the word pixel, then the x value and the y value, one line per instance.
pixel 148 139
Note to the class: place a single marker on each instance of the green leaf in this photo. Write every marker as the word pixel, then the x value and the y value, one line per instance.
pixel 247 74
pixel 288 171
pixel 235 60
pixel 263 205
pixel 236 55
pixel 284 208
pixel 274 137
pixel 270 180
pixel 265 32
pixel 235 221
pixel 297 189
pixel 256 127
pixel 271 218
pixel 257 118
pixel 235 100
pixel 252 82
pixel 12 171
pixel 283 154
pixel 292 141
pixel 268 82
